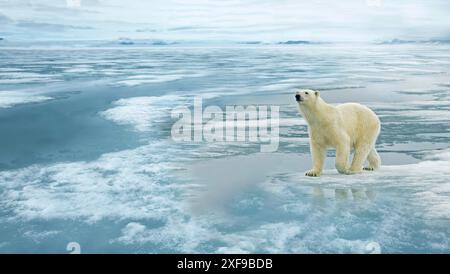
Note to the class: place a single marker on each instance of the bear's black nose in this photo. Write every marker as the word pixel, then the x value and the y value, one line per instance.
pixel 297 97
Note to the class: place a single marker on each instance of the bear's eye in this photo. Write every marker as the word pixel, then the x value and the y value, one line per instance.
pixel 306 93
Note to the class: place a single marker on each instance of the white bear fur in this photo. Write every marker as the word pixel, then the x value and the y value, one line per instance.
pixel 349 127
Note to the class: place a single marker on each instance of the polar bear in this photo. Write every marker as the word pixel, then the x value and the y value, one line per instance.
pixel 346 127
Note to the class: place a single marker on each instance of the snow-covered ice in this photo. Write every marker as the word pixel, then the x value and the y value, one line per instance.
pixel 102 170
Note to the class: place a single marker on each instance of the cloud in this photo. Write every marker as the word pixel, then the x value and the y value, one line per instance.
pixel 268 20
pixel 5 19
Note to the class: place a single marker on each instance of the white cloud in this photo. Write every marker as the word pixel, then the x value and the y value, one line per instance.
pixel 244 20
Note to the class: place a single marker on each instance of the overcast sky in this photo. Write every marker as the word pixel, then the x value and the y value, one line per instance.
pixel 234 20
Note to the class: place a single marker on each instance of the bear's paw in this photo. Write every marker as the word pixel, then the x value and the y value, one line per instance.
pixel 312 173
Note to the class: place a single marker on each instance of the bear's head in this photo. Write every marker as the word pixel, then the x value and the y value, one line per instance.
pixel 306 97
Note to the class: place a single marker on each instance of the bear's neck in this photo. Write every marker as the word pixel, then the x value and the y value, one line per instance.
pixel 318 113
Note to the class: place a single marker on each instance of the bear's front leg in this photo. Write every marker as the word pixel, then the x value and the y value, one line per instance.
pixel 318 153
pixel 342 155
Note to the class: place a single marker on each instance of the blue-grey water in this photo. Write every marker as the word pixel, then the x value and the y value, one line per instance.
pixel 86 153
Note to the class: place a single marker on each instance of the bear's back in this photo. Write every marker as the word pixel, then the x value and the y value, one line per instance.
pixel 350 109
pixel 356 116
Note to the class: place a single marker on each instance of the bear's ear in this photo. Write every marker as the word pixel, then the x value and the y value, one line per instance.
pixel 317 93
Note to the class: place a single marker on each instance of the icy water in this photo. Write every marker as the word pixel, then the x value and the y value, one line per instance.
pixel 86 153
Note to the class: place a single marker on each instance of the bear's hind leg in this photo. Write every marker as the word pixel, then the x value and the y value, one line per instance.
pixel 374 160
pixel 361 154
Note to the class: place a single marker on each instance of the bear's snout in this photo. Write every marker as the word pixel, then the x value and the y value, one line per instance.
pixel 298 98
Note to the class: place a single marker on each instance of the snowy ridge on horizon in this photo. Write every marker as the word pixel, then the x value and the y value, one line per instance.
pixel 128 42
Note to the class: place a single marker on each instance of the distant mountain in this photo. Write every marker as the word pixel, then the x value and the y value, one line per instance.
pixel 125 41
pixel 142 42
pixel 442 41
pixel 295 42
pixel 429 41
pixel 251 43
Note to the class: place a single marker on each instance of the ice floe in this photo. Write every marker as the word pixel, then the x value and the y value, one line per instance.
pixel 11 98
